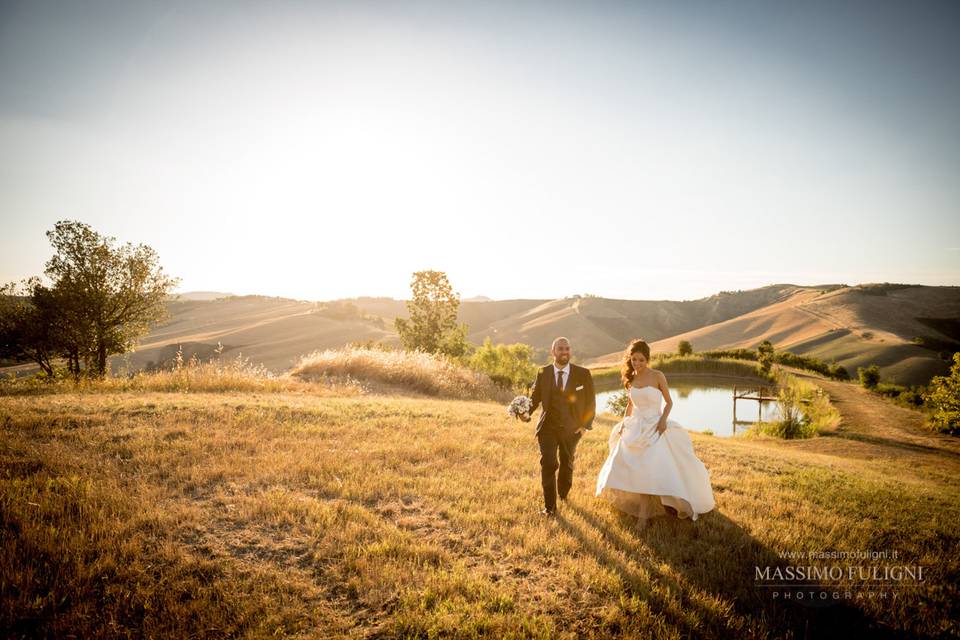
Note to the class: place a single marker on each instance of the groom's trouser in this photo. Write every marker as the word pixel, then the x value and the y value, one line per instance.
pixel 556 443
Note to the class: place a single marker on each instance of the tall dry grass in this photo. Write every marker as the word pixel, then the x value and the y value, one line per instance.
pixel 346 371
pixel 217 376
pixel 805 410
pixel 398 370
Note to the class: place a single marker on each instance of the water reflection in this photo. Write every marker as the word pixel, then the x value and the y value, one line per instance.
pixel 706 404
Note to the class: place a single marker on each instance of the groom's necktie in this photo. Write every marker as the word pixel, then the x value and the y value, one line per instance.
pixel 560 380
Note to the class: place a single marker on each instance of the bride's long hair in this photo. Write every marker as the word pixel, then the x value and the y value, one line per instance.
pixel 627 373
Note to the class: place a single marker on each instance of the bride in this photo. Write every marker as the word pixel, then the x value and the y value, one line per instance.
pixel 652 467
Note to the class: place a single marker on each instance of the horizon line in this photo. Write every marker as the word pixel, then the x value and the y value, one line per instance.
pixel 473 298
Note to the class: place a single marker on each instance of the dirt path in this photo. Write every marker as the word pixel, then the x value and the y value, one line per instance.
pixel 875 428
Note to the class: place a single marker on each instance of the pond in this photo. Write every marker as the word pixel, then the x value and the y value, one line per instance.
pixel 706 404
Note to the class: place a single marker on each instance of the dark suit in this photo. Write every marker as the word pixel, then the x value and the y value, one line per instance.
pixel 565 412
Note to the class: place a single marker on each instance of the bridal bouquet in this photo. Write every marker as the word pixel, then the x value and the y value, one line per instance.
pixel 519 406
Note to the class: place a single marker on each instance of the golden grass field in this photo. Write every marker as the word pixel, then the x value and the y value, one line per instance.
pixel 292 509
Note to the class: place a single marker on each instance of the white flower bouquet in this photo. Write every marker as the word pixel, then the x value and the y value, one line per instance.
pixel 519 407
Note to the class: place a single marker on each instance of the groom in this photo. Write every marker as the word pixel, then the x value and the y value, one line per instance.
pixel 566 393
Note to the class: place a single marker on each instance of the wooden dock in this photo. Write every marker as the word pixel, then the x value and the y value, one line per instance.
pixel 760 394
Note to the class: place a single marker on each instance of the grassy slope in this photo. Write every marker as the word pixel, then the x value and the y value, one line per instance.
pixel 271 331
pixel 846 325
pixel 291 514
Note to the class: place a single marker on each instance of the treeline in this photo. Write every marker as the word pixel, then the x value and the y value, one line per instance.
pixel 101 298
pixel 766 355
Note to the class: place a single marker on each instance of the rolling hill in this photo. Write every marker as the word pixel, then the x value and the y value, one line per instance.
pixel 902 328
pixel 594 325
pixel 598 325
pixel 273 332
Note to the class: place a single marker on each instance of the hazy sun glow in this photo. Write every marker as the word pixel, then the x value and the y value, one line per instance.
pixel 528 152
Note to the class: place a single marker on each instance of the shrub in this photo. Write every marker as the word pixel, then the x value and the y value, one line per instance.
pixel 805 410
pixel 765 356
pixel 889 389
pixel 793 423
pixel 908 397
pixel 943 395
pixel 838 372
pixel 946 422
pixel 869 376
pixel 912 397
pixel 684 348
pixel 509 365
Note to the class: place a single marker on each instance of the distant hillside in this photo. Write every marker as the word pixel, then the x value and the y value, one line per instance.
pixel 594 325
pixel 902 328
pixel 276 331
pixel 598 325
pixel 272 331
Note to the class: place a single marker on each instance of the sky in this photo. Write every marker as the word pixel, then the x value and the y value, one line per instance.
pixel 642 150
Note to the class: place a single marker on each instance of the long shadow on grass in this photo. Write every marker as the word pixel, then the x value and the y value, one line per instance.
pixel 895 444
pixel 717 556
pixel 679 612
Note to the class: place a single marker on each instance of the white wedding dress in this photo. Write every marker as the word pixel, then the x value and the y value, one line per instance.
pixel 646 471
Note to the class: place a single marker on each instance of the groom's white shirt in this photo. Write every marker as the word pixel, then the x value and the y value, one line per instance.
pixel 566 374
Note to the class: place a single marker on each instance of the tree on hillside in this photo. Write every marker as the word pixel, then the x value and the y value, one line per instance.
pixel 102 298
pixel 112 293
pixel 684 348
pixel 433 326
pixel 838 372
pixel 869 376
pixel 765 356
pixel 27 324
pixel 943 395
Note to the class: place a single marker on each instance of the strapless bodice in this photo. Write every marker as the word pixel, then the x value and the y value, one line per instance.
pixel 646 401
